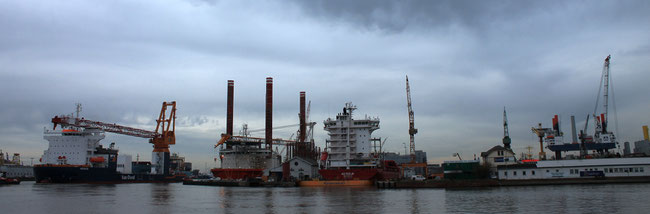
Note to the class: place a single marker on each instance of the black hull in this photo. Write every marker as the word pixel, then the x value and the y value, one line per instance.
pixel 75 174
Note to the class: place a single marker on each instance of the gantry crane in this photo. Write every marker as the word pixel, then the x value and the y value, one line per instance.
pixel 161 138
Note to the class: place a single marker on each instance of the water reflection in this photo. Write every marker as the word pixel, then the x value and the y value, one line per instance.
pixel 160 194
pixel 224 198
pixel 268 200
pixel 415 207
pixel 176 198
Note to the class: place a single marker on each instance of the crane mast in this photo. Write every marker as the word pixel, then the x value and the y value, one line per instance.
pixel 412 129
pixel 601 120
pixel 506 135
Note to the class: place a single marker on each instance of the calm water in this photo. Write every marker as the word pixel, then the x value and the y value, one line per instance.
pixel 177 198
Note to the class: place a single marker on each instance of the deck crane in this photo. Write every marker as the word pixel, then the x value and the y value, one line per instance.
pixel 412 129
pixel 161 138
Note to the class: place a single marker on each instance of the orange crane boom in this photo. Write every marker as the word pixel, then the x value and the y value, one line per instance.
pixel 163 125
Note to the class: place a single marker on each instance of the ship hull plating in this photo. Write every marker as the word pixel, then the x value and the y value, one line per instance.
pixel 84 174
pixel 236 174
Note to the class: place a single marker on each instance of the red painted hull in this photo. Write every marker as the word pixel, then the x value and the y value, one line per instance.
pixel 348 174
pixel 236 174
pixel 389 171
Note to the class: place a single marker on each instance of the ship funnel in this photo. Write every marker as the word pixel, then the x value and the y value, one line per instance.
pixel 556 125
pixel 645 133
pixel 302 117
pixel 573 129
pixel 269 113
pixel 229 114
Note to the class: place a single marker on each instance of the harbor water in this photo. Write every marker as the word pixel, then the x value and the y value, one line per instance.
pixel 29 197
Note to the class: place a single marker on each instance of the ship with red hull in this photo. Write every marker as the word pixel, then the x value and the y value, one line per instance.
pixel 244 157
pixel 387 171
pixel 351 154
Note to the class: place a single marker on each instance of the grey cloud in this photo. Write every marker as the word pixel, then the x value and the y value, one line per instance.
pixel 465 60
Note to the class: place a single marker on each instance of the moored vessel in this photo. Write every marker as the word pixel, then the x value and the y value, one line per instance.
pixel 352 156
pixel 75 154
pixel 245 157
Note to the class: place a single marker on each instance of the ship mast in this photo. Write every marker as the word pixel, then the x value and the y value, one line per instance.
pixel 348 110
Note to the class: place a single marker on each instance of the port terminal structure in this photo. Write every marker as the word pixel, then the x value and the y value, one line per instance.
pixel 603 139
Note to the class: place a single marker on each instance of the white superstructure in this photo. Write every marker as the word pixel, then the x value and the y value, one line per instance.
pixel 562 169
pixel 248 157
pixel 350 142
pixel 70 146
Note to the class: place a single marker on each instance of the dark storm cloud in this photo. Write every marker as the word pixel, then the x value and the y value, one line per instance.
pixel 396 16
pixel 466 60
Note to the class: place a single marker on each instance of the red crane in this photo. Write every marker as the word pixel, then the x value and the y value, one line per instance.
pixel 161 138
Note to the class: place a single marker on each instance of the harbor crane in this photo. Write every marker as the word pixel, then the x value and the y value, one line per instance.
pixel 506 135
pixel 161 137
pixel 541 132
pixel 412 129
pixel 412 132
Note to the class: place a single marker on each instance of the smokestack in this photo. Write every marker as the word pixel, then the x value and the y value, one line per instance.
pixel 556 125
pixel 231 97
pixel 269 112
pixel 302 117
pixel 645 133
pixel 573 129
pixel 603 122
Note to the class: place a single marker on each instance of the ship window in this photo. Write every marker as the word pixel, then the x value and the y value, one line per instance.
pixel 636 169
pixel 514 173
pixel 532 172
pixel 641 169
pixel 523 172
pixel 557 170
pixel 505 173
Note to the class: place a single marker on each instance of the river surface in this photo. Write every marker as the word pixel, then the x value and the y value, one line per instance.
pixel 29 197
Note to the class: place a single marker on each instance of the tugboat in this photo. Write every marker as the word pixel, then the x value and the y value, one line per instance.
pixel 5 180
pixel 351 157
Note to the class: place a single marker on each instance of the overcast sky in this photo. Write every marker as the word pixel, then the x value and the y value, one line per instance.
pixel 465 60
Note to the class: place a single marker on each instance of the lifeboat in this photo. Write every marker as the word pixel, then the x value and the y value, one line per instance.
pixel 97 159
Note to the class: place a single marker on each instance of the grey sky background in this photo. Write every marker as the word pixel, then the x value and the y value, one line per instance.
pixel 466 60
